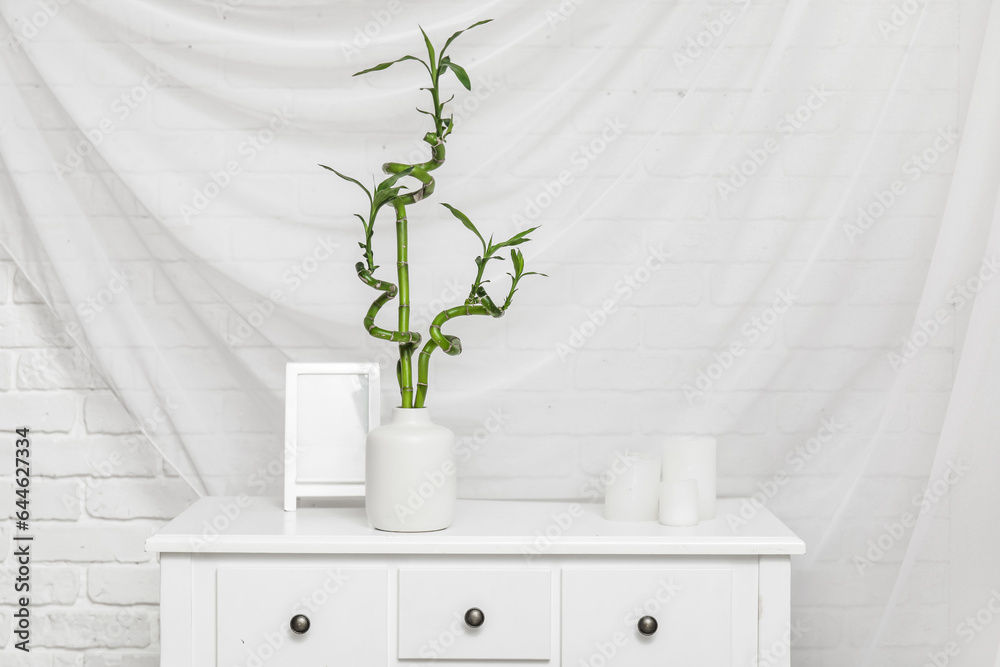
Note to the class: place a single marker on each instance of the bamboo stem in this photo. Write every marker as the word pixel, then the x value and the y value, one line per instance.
pixel 410 340
pixel 403 273
pixel 389 292
pixel 421 170
pixel 423 367
pixel 450 345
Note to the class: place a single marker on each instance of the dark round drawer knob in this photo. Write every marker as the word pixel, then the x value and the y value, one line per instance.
pixel 474 617
pixel 299 624
pixel 647 625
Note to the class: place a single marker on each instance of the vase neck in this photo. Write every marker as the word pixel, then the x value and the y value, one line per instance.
pixel 411 416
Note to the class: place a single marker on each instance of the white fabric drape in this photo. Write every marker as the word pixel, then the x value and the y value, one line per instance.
pixel 811 182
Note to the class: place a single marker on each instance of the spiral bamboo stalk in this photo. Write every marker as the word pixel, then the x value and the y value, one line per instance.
pixel 450 345
pixel 389 291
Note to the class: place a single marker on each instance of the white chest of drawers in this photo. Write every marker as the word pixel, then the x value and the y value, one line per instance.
pixel 549 584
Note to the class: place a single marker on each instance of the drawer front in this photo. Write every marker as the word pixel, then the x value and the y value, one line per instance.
pixel 703 616
pixel 346 608
pixel 516 606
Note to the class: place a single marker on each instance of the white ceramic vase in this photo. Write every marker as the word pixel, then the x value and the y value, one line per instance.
pixel 410 473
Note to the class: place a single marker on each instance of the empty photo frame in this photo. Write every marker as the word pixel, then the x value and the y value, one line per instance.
pixel 329 409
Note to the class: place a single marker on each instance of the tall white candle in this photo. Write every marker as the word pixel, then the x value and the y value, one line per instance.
pixel 692 457
pixel 679 503
pixel 632 491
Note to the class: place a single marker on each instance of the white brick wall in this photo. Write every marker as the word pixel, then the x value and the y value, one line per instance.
pixel 99 491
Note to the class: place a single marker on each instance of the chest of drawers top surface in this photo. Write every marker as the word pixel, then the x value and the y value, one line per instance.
pixel 488 527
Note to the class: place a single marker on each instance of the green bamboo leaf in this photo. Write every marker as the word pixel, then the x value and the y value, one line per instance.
pixel 517 239
pixel 443 65
pixel 462 75
pixel 352 180
pixel 391 181
pixel 520 235
pixel 385 196
pixel 518 260
pixel 452 38
pixel 517 278
pixel 387 65
pixel 468 224
pixel 387 189
pixel 430 47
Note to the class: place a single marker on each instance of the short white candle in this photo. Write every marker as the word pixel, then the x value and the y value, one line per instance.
pixel 693 457
pixel 632 491
pixel 679 503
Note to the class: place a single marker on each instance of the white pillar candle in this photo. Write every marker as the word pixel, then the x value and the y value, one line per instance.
pixel 632 490
pixel 693 457
pixel 679 503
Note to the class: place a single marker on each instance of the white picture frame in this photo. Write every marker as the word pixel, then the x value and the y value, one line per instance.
pixel 329 409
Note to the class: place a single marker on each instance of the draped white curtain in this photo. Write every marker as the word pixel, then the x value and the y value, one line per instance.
pixel 817 182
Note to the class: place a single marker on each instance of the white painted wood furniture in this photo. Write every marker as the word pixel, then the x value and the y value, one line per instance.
pixel 548 584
